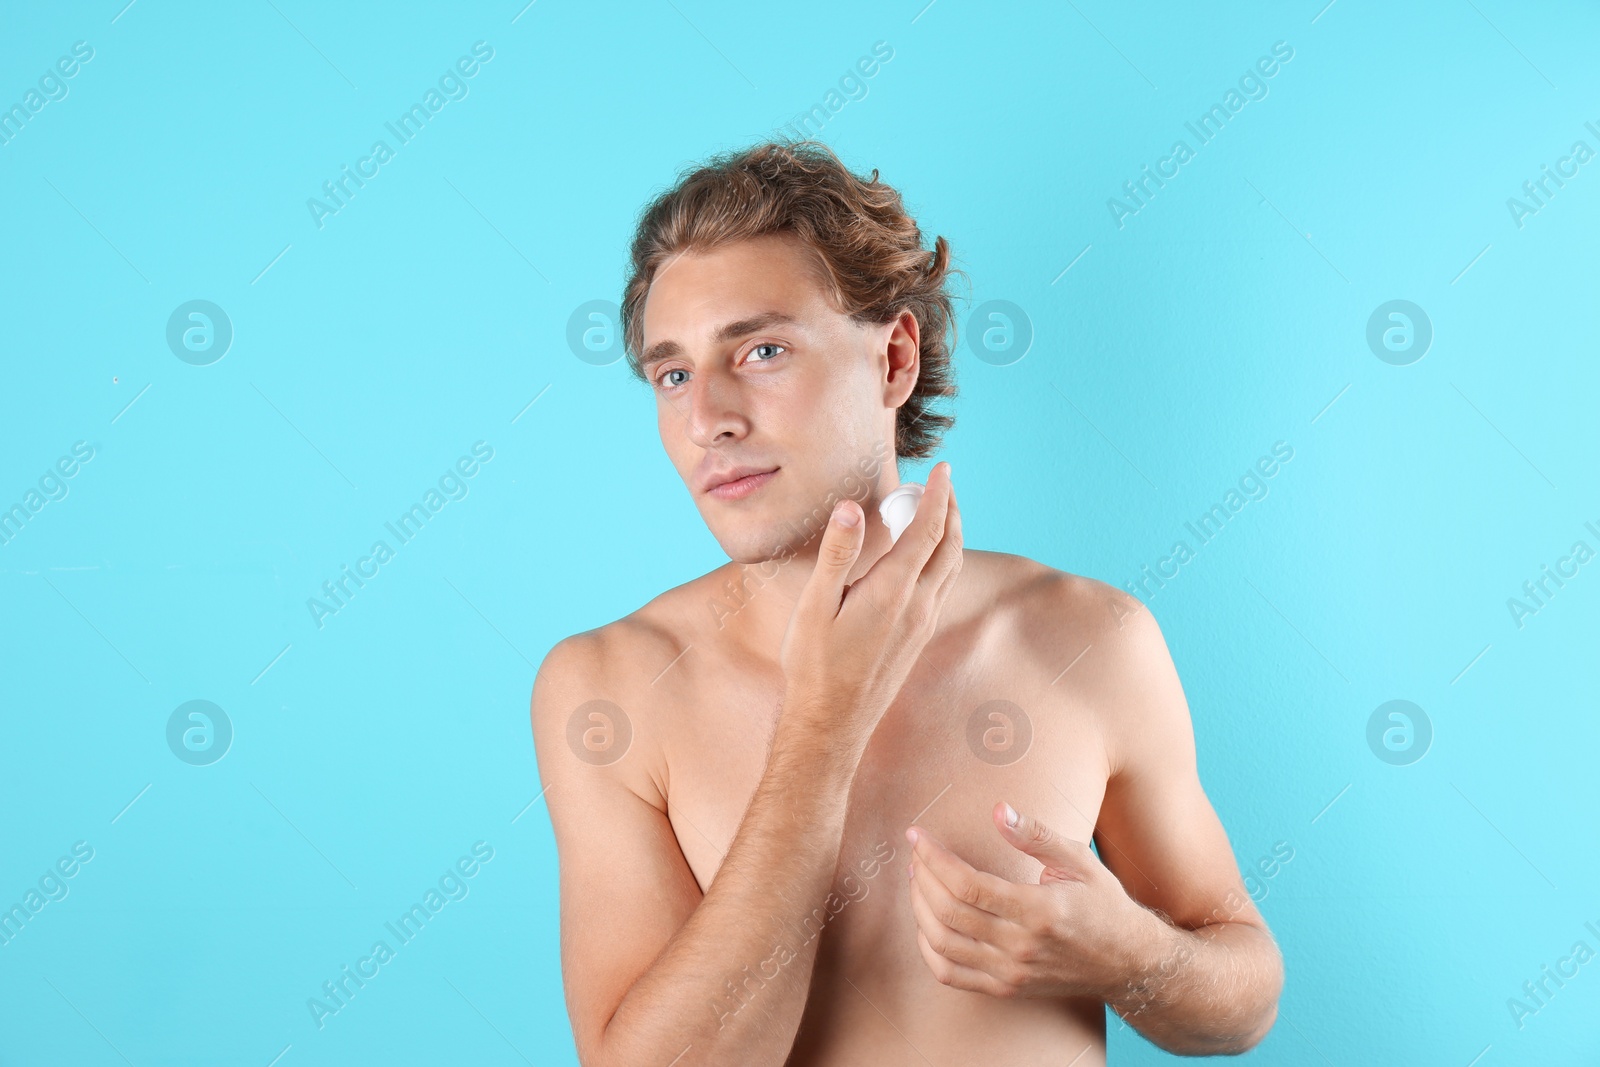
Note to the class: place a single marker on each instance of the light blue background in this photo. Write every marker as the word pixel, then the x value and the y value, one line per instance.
pixel 1228 314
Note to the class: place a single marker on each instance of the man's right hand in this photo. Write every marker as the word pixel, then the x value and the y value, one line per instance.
pixel 849 648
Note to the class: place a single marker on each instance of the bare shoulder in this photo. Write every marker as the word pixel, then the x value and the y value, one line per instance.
pixel 587 683
pixel 612 658
pixel 1042 606
pixel 1088 642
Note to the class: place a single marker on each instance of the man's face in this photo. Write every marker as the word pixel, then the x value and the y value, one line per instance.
pixel 762 373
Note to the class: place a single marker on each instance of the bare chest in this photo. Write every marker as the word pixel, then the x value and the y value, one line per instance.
pixel 960 738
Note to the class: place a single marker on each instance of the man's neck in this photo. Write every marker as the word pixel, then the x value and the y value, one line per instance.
pixel 754 601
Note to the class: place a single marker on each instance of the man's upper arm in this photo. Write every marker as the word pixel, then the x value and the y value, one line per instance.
pixel 1157 830
pixel 625 886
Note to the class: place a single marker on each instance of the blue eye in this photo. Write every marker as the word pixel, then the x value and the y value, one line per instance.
pixel 666 379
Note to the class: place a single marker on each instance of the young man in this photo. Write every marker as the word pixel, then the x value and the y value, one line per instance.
pixel 831 803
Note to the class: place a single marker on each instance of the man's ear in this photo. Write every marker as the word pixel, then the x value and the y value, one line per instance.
pixel 902 349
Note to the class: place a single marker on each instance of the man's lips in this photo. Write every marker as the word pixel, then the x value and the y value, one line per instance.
pixel 741 487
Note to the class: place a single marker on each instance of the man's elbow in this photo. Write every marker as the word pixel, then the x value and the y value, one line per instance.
pixel 1265 1015
pixel 1234 1043
pixel 1243 1043
pixel 1264 1029
pixel 1236 1026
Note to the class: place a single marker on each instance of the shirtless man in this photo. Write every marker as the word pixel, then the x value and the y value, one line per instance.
pixel 782 792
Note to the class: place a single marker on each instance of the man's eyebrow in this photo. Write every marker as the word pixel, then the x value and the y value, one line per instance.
pixel 728 331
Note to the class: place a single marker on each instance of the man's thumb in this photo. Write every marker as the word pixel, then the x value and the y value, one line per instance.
pixel 1029 835
pixel 841 544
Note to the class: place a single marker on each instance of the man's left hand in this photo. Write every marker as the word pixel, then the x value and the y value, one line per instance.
pixel 1076 933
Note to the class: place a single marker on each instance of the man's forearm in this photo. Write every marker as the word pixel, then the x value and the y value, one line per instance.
pixel 1204 992
pixel 732 982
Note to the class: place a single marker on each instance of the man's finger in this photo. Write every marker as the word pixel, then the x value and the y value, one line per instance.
pixel 836 554
pixel 959 976
pixel 1028 834
pixel 908 556
pixel 956 914
pixel 980 889
pixel 946 559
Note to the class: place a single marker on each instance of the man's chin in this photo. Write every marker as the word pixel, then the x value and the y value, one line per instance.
pixel 752 554
pixel 768 542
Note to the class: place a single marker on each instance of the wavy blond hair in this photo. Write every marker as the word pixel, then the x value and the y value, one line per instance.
pixel 870 247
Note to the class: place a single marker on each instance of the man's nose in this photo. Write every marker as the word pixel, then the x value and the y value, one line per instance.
pixel 715 410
